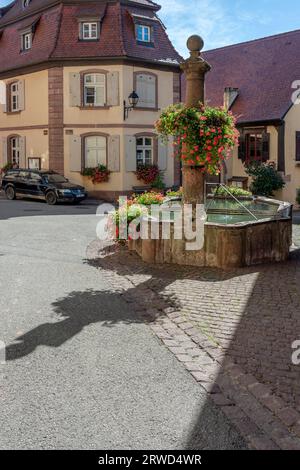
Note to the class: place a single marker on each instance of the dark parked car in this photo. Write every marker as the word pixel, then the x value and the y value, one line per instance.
pixel 46 185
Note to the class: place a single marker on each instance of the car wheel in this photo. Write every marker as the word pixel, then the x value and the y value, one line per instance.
pixel 10 193
pixel 51 198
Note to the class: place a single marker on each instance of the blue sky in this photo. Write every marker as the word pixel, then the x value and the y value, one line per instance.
pixel 223 22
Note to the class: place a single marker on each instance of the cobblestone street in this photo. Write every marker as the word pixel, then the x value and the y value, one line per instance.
pixel 232 330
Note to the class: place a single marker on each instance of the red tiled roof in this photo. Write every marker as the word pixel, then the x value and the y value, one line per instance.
pixel 263 70
pixel 56 35
pixel 42 46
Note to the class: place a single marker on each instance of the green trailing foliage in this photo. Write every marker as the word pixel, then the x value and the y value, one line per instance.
pixel 234 190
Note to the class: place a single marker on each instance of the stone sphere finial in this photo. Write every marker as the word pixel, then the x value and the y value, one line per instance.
pixel 195 43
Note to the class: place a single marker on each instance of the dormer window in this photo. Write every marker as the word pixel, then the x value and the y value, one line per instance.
pixel 143 33
pixel 26 41
pixel 89 30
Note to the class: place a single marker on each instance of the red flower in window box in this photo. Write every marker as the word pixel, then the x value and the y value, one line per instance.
pixel 98 175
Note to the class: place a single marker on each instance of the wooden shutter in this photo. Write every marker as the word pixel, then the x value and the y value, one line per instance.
pixel 162 155
pixel 3 96
pixel 114 153
pixel 242 147
pixel 265 147
pixel 74 89
pixel 75 157
pixel 21 91
pixel 146 90
pixel 113 89
pixel 4 151
pixel 298 146
pixel 130 153
pixel 22 146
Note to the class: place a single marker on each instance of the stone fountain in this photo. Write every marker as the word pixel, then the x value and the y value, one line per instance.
pixel 228 241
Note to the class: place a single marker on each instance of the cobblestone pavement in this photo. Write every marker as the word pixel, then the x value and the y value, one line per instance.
pixel 232 330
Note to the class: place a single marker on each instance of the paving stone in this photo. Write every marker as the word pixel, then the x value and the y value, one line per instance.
pixel 221 400
pixel 233 331
pixel 289 416
pixel 262 443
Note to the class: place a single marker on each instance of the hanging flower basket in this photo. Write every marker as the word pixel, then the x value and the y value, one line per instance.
pixel 98 175
pixel 204 137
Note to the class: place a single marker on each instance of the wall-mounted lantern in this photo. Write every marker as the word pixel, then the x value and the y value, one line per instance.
pixel 133 99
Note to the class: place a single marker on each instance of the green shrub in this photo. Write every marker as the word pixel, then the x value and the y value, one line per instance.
pixel 234 190
pixel 266 179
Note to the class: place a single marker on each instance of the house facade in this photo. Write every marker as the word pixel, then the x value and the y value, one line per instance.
pixel 67 69
pixel 260 81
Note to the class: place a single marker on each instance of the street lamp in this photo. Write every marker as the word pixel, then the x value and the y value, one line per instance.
pixel 133 99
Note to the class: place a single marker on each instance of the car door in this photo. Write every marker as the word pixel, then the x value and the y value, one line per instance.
pixel 34 182
pixel 21 179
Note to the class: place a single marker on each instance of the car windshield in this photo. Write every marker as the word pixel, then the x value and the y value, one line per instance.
pixel 55 178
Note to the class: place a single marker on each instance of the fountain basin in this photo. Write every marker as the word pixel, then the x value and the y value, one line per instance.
pixel 229 241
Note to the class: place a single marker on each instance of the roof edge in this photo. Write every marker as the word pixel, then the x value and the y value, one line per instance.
pixel 253 41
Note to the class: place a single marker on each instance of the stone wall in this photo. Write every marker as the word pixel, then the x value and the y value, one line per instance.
pixel 225 246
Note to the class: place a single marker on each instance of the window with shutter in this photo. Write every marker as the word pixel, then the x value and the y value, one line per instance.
pixel 14 97
pixel 95 151
pixel 94 89
pixel 15 150
pixel 144 151
pixel 298 146
pixel 146 88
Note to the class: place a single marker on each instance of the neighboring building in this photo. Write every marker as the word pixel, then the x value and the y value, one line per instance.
pixel 66 69
pixel 258 79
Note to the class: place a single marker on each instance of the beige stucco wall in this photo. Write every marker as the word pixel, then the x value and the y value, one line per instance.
pixel 34 114
pixel 292 169
pixel 36 145
pixel 121 181
pixel 110 121
pixel 36 102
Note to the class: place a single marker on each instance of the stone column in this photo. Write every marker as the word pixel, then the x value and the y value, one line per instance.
pixel 194 68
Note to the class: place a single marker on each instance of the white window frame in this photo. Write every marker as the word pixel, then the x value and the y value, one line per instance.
pixel 14 97
pixel 146 33
pixel 15 150
pixel 143 148
pixel 93 84
pixel 92 33
pixel 26 41
pixel 100 149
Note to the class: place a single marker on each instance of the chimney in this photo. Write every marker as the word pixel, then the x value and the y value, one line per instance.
pixel 230 95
